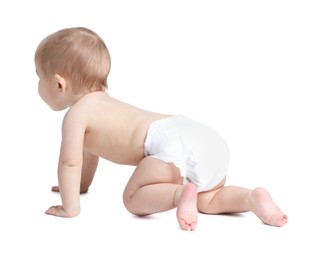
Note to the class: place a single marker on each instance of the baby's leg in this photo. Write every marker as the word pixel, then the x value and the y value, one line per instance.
pixel 151 188
pixel 232 199
pixel 154 187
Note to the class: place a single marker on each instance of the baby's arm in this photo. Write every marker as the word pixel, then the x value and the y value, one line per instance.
pixel 89 167
pixel 70 166
pixel 90 162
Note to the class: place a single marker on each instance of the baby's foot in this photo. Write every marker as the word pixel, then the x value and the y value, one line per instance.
pixel 187 213
pixel 265 209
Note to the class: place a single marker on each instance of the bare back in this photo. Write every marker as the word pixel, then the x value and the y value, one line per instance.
pixel 114 130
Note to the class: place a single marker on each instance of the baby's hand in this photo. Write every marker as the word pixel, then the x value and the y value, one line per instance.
pixel 59 211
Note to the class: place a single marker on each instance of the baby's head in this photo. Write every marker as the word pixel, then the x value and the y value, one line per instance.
pixel 77 54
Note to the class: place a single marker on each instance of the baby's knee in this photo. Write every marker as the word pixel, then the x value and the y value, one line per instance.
pixel 204 202
pixel 133 210
pixel 127 200
pixel 129 203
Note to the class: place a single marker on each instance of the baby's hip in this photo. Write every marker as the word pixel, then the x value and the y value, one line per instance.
pixel 200 153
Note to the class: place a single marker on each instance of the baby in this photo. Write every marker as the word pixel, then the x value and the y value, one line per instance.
pixel 179 163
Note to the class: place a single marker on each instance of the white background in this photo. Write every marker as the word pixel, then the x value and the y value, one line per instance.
pixel 245 68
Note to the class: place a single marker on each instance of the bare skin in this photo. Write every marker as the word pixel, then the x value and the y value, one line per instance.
pixel 258 201
pixel 155 187
pixel 97 125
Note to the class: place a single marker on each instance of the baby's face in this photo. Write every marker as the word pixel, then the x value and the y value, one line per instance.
pixel 48 90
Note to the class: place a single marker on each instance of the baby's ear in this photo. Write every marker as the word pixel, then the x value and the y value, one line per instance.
pixel 61 83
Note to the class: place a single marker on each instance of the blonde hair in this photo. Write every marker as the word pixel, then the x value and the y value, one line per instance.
pixel 77 54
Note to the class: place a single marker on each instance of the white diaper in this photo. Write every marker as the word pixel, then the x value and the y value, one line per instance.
pixel 200 153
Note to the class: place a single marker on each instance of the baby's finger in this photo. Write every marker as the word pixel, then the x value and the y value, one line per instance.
pixel 55 188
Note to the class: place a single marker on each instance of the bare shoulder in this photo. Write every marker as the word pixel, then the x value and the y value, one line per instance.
pixel 77 115
pixel 82 108
pixel 102 110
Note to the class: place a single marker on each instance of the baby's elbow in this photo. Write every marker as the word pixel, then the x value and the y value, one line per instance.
pixel 70 164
